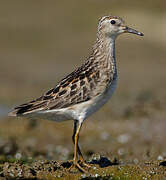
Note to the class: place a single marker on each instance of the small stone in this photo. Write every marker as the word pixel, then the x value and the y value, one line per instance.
pixel 123 138
pixel 96 175
pixel 20 173
pixel 96 157
pixel 121 151
pixel 160 157
pixel 83 175
pixel 136 161
pixel 18 155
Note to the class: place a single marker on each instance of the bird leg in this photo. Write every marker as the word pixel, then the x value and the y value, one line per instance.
pixel 78 148
pixel 77 151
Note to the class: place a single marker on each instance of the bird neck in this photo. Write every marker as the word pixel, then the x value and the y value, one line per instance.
pixel 105 46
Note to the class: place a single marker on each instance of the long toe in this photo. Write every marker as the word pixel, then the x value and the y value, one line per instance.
pixel 76 165
pixel 85 164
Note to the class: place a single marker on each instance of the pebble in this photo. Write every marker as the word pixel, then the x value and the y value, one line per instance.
pixel 136 161
pixel 18 155
pixel 121 151
pixel 123 138
pixel 83 175
pixel 96 175
pixel 160 157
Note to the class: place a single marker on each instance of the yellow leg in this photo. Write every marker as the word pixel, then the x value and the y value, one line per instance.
pixel 78 148
pixel 77 151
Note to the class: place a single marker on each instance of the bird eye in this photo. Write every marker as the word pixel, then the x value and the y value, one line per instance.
pixel 113 21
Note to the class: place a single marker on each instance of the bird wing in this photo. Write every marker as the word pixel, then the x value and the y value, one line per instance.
pixel 77 87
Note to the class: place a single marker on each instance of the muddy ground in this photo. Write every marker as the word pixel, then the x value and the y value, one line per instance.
pixel 101 168
pixel 42 42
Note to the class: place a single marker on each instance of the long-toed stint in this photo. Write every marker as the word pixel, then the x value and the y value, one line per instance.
pixel 86 89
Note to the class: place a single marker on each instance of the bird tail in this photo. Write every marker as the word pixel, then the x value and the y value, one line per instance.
pixel 27 108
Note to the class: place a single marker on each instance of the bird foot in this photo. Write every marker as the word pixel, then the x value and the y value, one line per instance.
pixel 85 164
pixel 77 166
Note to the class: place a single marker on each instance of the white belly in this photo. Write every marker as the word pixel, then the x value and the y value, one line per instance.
pixel 88 108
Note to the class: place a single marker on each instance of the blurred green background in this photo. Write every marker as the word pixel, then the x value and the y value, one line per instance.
pixel 42 41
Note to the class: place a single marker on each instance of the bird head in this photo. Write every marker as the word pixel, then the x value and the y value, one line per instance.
pixel 112 26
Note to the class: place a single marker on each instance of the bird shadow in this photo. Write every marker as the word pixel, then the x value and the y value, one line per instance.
pixel 163 163
pixel 104 162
